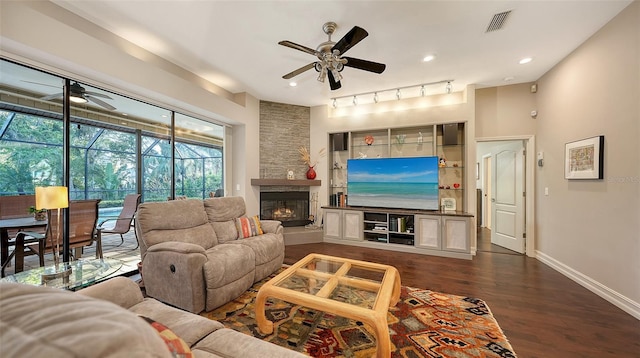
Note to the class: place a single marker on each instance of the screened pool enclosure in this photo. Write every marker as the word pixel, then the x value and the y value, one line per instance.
pixel 116 145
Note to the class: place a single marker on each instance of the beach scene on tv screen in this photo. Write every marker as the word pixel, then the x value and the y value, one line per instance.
pixel 406 183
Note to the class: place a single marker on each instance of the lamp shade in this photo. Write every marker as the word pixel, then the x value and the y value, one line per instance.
pixel 52 197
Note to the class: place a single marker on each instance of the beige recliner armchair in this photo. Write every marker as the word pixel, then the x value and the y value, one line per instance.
pixel 192 257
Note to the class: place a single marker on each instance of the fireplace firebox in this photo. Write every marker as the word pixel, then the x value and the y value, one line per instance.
pixel 290 207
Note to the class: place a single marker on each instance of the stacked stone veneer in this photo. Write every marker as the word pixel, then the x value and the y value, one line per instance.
pixel 283 129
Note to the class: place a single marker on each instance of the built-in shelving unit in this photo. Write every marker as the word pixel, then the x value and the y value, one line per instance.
pixel 446 141
pixel 417 231
pixel 443 233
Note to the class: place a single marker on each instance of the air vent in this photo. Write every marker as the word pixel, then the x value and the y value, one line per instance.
pixel 498 21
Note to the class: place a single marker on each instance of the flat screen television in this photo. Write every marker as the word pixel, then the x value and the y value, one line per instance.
pixel 405 183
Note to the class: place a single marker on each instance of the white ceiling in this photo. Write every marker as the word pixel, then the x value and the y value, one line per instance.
pixel 234 44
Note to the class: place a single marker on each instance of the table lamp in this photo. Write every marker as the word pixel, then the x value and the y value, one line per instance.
pixel 49 198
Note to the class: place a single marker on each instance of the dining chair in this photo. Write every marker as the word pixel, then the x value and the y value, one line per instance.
pixel 15 206
pixel 83 219
pixel 124 221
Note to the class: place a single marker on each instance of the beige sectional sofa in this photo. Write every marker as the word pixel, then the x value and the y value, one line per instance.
pixel 192 257
pixel 104 321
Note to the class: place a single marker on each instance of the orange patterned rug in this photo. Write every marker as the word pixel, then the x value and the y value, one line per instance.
pixel 423 324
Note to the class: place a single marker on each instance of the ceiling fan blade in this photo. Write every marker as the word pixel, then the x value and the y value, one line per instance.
pixel 365 65
pixel 41 84
pixel 96 94
pixel 100 102
pixel 350 39
pixel 51 96
pixel 332 82
pixel 299 47
pixel 299 71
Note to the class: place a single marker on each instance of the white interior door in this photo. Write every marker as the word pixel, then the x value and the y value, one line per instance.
pixel 486 199
pixel 507 209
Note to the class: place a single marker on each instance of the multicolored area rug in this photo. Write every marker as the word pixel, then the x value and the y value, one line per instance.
pixel 423 324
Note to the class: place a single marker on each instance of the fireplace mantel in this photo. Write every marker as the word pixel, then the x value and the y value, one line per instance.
pixel 282 182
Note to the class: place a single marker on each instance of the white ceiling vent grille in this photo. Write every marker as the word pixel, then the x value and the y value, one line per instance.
pixel 498 21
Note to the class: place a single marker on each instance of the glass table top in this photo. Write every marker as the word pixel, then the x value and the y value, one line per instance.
pixel 83 273
pixel 337 280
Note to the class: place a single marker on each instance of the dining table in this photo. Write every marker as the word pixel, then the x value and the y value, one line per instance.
pixel 28 222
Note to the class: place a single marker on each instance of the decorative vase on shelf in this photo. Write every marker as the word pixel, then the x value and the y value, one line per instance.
pixel 311 173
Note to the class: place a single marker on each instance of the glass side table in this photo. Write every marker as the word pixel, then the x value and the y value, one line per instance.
pixel 84 272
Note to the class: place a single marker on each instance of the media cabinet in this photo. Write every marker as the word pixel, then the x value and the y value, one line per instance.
pixel 416 231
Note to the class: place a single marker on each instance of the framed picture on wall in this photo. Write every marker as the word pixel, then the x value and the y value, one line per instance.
pixel 448 204
pixel 584 159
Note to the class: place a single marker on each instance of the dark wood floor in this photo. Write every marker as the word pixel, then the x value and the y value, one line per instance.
pixel 484 243
pixel 542 313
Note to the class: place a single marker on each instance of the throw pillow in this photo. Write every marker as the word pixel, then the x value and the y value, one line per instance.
pixel 248 227
pixel 175 344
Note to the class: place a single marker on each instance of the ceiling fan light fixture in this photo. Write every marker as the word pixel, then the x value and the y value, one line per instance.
pixel 398 94
pixel 422 91
pixel 323 74
pixel 375 97
pixel 448 88
pixel 335 103
pixel 355 100
pixel 329 55
pixel 77 99
pixel 336 74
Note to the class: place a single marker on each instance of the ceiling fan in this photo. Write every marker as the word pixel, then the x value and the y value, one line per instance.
pixel 79 95
pixel 329 53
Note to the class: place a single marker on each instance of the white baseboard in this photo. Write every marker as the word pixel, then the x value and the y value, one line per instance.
pixel 615 298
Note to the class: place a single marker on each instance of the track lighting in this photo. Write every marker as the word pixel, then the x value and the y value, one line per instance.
pixel 419 88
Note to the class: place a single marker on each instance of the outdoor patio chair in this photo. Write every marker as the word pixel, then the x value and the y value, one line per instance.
pixel 124 221
pixel 83 217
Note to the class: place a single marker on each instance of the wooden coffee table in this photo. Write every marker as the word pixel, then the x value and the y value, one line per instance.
pixel 326 283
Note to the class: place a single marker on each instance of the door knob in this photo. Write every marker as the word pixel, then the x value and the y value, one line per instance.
pixel 493 200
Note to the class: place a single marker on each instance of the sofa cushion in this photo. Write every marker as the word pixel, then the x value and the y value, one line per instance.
pixel 226 264
pixel 178 220
pixel 230 343
pixel 228 273
pixel 266 247
pixel 248 227
pixel 224 209
pixel 175 344
pixel 190 327
pixel 46 322
pixel 225 231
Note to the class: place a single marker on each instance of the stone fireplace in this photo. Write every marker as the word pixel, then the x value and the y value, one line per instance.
pixel 290 207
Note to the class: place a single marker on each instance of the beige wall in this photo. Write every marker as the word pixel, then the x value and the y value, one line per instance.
pixel 591 228
pixel 505 111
